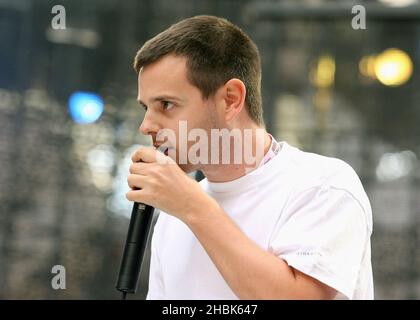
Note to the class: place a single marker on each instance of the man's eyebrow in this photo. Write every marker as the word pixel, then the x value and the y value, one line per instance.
pixel 160 98
pixel 141 103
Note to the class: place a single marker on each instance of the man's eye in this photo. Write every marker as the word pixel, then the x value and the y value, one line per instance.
pixel 166 105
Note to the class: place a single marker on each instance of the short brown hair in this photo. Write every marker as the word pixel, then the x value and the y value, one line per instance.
pixel 216 51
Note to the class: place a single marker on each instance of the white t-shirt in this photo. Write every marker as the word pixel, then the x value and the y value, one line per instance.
pixel 307 209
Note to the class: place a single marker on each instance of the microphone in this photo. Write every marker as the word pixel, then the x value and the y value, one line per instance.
pixel 135 246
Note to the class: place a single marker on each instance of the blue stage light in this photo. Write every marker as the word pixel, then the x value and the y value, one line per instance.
pixel 85 107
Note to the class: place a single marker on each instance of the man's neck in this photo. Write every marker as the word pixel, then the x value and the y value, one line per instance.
pixel 230 172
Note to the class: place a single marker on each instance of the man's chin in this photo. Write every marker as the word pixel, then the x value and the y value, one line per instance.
pixel 188 168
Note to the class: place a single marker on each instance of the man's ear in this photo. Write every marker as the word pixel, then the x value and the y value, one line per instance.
pixel 234 93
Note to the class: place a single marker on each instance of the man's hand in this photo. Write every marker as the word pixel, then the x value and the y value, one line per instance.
pixel 156 180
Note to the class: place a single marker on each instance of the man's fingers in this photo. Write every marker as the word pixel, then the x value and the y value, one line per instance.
pixel 136 181
pixel 144 154
pixel 140 168
pixel 149 155
pixel 137 196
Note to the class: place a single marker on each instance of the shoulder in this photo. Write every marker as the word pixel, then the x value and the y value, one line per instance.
pixel 310 171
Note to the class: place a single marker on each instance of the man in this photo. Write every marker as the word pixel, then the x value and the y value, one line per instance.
pixel 290 225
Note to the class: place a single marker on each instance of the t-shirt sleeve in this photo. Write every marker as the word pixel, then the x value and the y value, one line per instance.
pixel 323 232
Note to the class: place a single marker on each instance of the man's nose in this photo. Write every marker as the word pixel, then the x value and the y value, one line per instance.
pixel 149 125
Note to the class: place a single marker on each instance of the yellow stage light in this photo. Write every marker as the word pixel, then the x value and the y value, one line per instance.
pixel 367 66
pixel 393 67
pixel 322 76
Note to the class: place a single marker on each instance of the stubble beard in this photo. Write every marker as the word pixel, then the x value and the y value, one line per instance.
pixel 208 123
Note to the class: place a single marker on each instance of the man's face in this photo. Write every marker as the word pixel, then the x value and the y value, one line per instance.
pixel 168 98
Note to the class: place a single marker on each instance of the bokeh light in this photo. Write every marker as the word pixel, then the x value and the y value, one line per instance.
pixel 85 107
pixel 393 67
pixel 367 66
pixel 322 76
